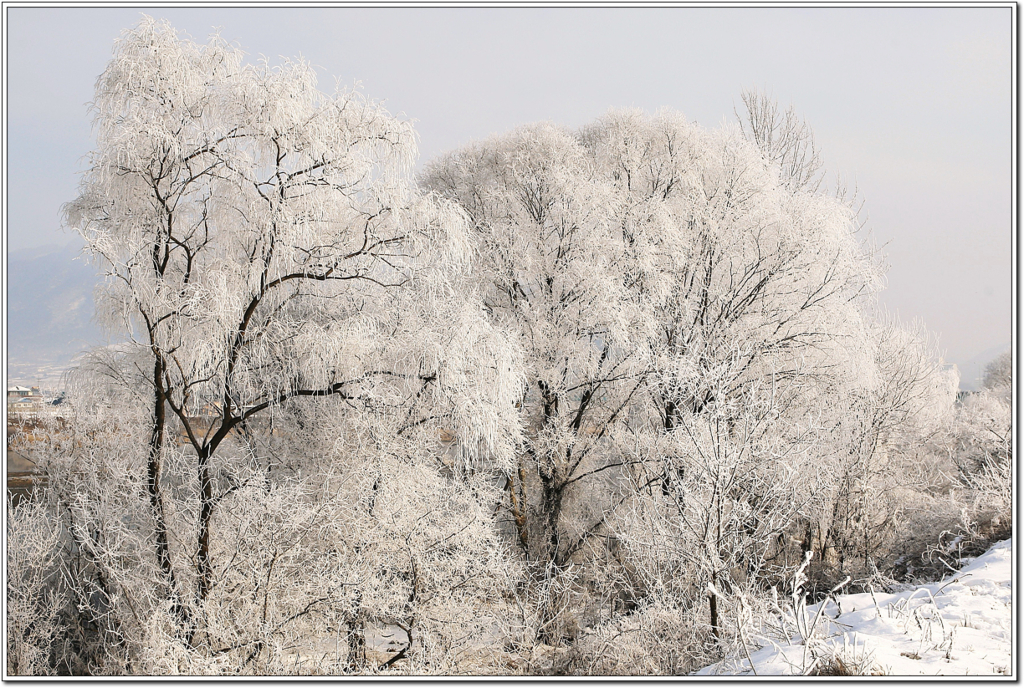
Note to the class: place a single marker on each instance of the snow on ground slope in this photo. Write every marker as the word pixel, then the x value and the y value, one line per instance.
pixel 959 626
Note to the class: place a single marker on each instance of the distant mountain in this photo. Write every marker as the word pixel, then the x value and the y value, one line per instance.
pixel 49 311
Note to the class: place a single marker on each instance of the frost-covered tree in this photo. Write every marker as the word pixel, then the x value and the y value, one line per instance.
pixel 999 373
pixel 263 245
pixel 786 141
pixel 726 258
pixel 331 529
pixel 879 458
pixel 753 290
pixel 742 473
pixel 671 287
pixel 552 270
pixel 981 447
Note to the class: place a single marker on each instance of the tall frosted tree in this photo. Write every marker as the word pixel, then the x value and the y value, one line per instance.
pixel 263 245
pixel 755 289
pixel 683 306
pixel 553 274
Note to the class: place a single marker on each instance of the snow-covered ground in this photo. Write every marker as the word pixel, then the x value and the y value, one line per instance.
pixel 962 625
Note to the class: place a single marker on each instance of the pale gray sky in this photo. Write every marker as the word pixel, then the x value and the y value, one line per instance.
pixel 913 105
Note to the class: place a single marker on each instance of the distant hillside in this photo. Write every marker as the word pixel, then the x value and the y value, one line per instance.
pixel 49 311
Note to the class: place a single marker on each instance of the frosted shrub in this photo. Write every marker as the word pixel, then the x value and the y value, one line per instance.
pixel 657 639
pixel 37 606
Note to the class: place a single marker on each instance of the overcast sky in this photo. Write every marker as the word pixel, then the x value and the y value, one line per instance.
pixel 913 106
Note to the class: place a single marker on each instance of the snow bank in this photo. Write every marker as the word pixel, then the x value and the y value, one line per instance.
pixel 962 625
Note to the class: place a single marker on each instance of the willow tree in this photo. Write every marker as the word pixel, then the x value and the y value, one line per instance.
pixel 685 309
pixel 262 243
pixel 754 287
pixel 552 272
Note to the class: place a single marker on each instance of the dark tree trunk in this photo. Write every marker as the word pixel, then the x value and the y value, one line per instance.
pixel 357 636
pixel 205 513
pixel 518 506
pixel 157 439
pixel 671 415
pixel 713 604
pixel 552 505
